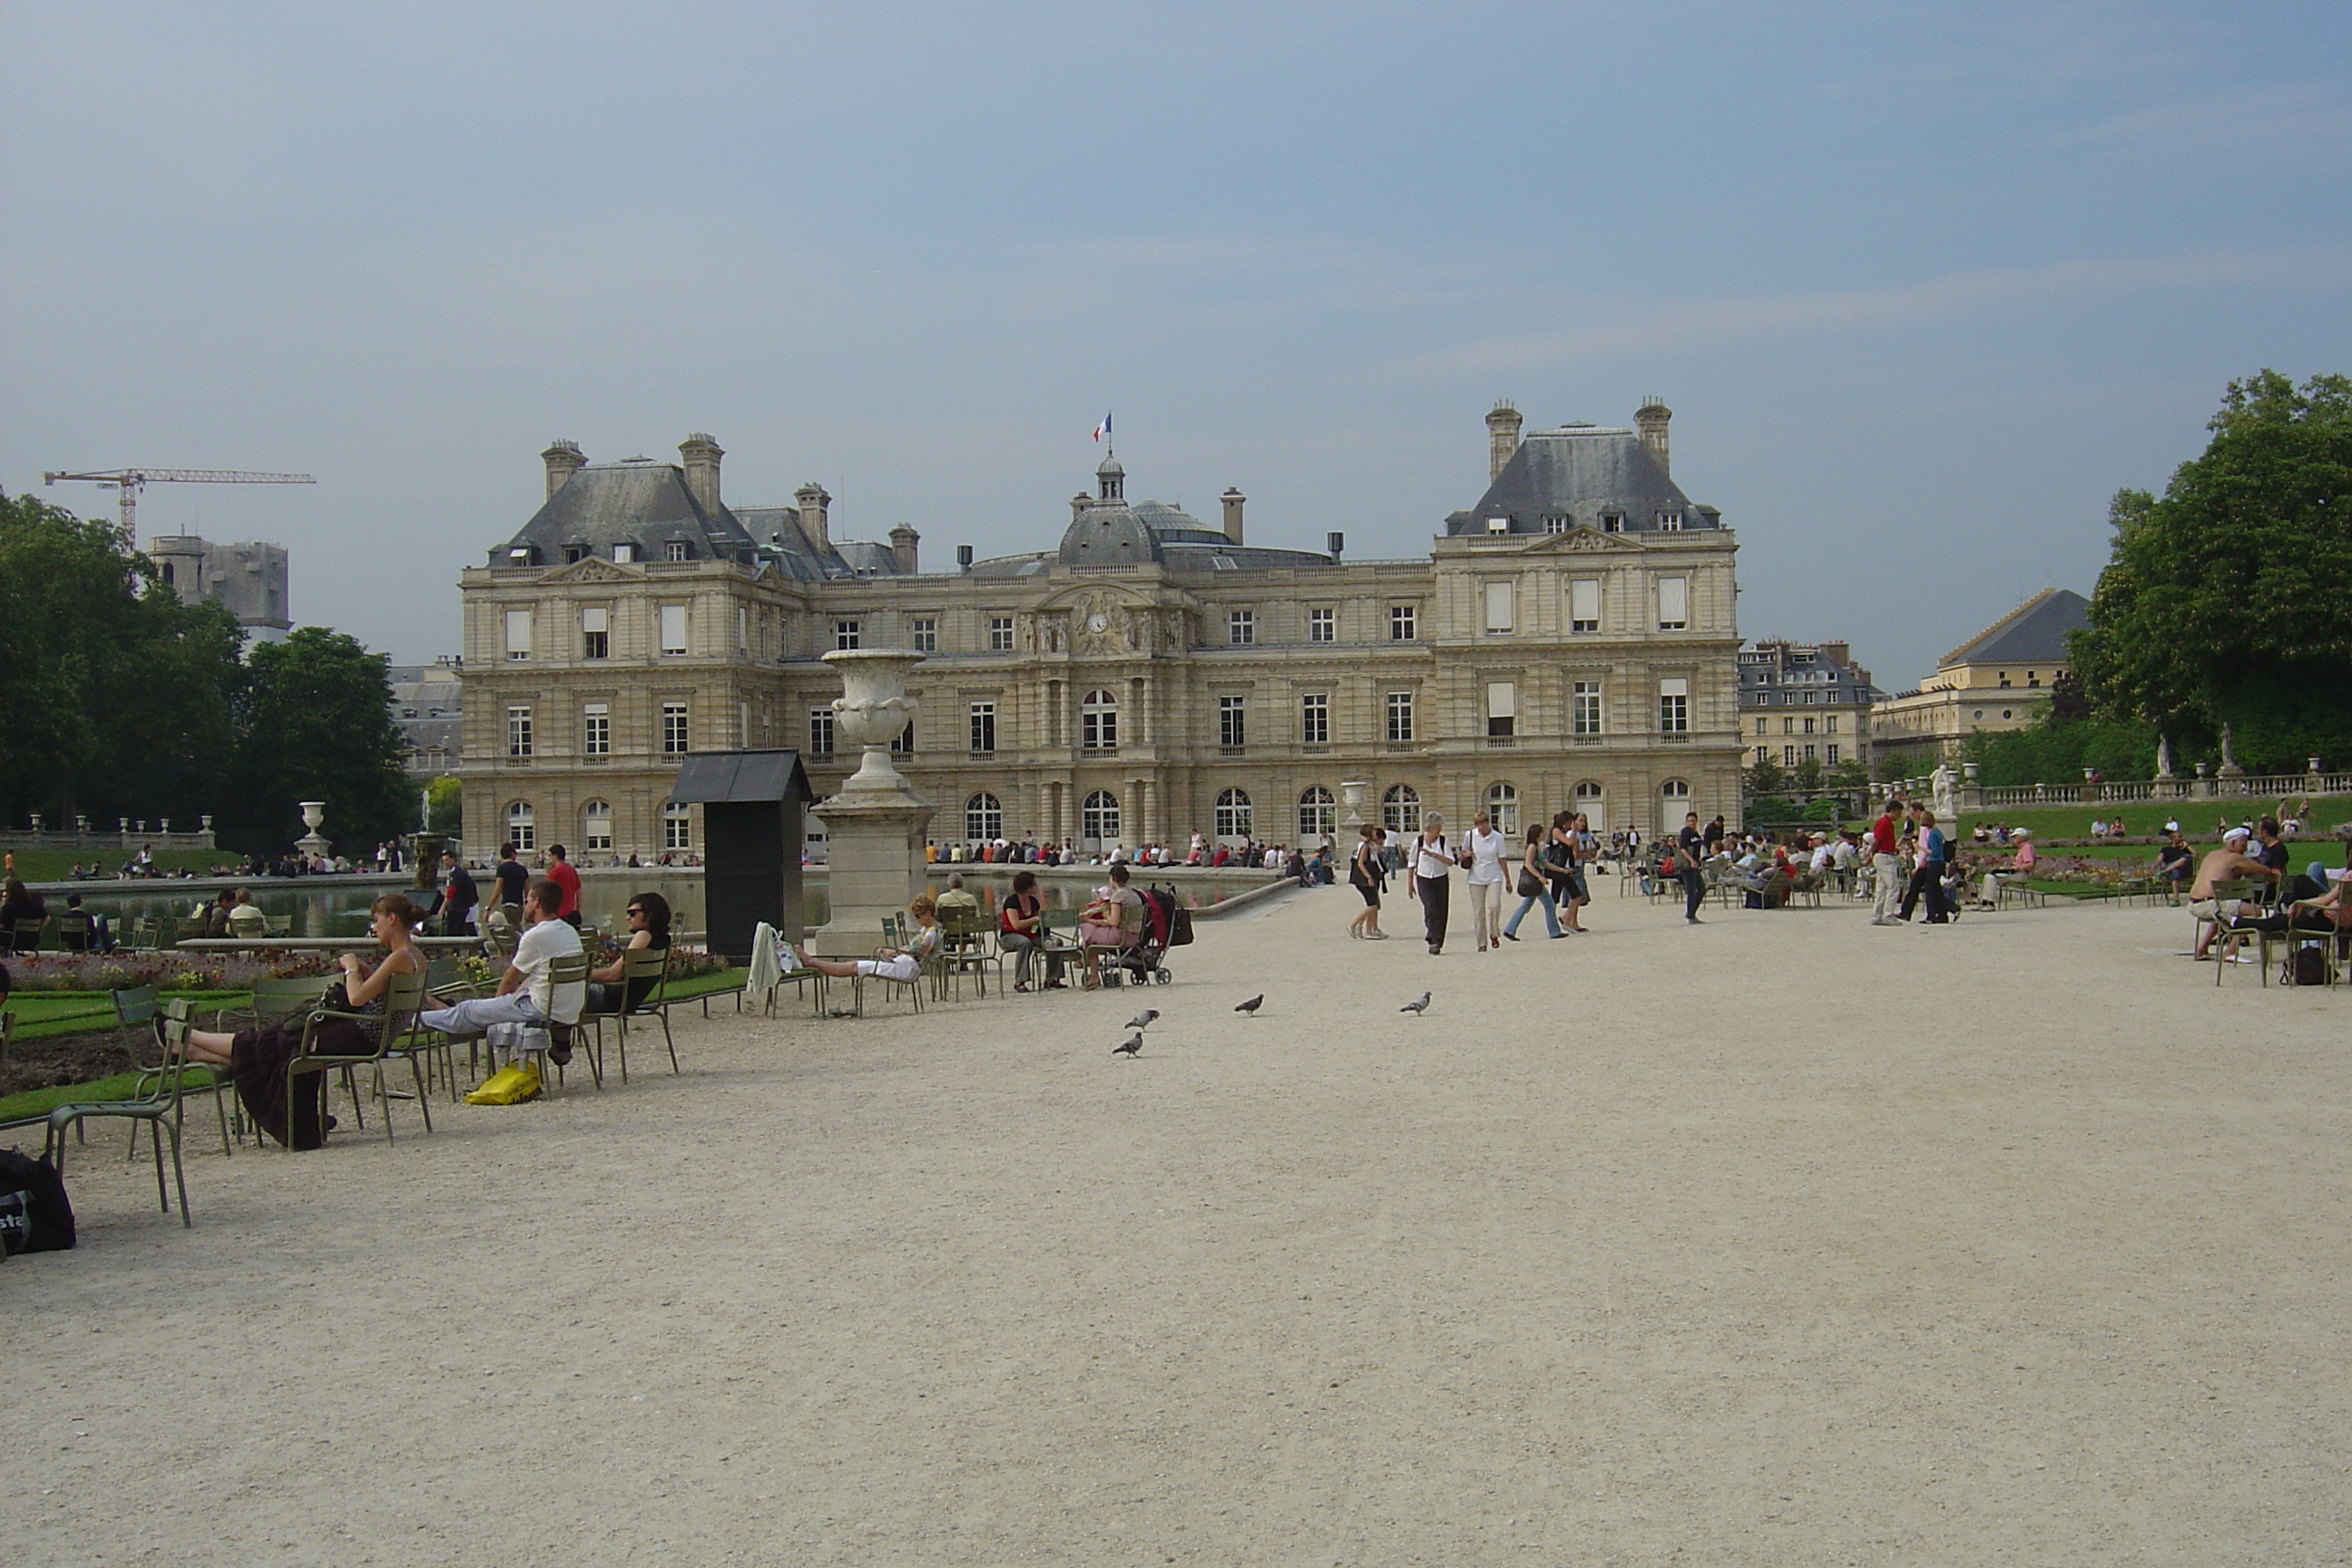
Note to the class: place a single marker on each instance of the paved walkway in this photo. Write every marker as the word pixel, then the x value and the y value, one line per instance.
pixel 1778 1240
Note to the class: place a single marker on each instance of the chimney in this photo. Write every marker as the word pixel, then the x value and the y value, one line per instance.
pixel 1078 504
pixel 1650 419
pixel 1234 501
pixel 813 501
pixel 1836 652
pixel 702 454
pixel 964 557
pixel 1502 438
pixel 903 540
pixel 1333 543
pixel 564 460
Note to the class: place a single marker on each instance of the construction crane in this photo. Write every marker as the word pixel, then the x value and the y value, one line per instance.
pixel 127 483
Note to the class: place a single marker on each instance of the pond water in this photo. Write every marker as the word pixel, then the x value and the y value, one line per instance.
pixel 338 906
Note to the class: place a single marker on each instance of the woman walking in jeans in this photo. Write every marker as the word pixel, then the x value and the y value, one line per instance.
pixel 1535 887
pixel 1429 877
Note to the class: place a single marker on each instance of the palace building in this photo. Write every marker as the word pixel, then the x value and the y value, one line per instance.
pixel 1569 642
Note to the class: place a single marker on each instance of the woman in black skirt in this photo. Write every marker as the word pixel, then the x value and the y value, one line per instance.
pixel 259 1060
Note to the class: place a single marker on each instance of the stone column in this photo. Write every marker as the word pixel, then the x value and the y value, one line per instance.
pixel 875 823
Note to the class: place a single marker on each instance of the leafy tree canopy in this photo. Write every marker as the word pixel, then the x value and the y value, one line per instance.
pixel 317 722
pixel 2223 600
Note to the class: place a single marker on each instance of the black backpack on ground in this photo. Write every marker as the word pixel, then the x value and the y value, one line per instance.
pixel 2307 964
pixel 34 1214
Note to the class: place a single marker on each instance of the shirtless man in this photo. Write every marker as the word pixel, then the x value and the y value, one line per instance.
pixel 2227 864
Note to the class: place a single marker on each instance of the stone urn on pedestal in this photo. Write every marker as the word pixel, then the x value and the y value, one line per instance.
pixel 875 824
pixel 1351 797
pixel 310 843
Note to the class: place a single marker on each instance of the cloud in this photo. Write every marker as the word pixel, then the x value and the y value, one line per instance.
pixel 1718 323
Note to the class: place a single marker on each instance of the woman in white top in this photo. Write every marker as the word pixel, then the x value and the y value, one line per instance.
pixel 1429 877
pixel 1488 849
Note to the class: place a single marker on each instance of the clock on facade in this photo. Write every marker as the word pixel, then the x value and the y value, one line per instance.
pixel 1098 621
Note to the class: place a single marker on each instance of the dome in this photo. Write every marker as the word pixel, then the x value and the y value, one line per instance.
pixel 1108 535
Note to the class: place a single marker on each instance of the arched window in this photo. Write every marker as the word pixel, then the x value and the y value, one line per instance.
pixel 596 826
pixel 983 818
pixel 522 830
pixel 1673 803
pixel 1233 813
pixel 1401 809
pixel 1590 800
pixel 1098 817
pixel 1315 816
pixel 1099 722
pixel 1502 807
pixel 678 827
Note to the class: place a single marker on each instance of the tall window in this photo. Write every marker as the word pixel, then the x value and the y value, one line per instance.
pixel 596 824
pixel 1317 813
pixel 742 629
pixel 927 634
pixel 1241 626
pixel 1098 722
pixel 1829 724
pixel 903 742
pixel 596 730
pixel 1590 803
pixel 1401 618
pixel 1673 705
pixel 999 634
pixel 1315 718
pixel 522 827
pixel 625 552
pixel 1673 803
pixel 1502 808
pixel 983 818
pixel 984 726
pixel 1673 603
pixel 1098 817
pixel 517 634
pixel 596 632
pixel 1832 753
pixel 1584 604
pixel 678 550
pixel 678 827
pixel 673 728
pixel 1501 608
pixel 1233 813
pixel 672 628
pixel 1788 756
pixel 518 731
pixel 1400 716
pixel 1502 710
pixel 846 634
pixel 820 731
pixel 1401 809
pixel 1230 728
pixel 1322 625
pixel 1584 707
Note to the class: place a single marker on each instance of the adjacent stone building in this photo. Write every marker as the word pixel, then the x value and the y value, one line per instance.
pixel 247 579
pixel 1999 679
pixel 425 705
pixel 1569 641
pixel 1805 702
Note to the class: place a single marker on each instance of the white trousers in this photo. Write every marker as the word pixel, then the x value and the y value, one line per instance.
pixel 1486 913
pixel 1888 881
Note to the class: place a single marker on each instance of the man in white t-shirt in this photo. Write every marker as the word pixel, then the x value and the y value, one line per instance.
pixel 528 997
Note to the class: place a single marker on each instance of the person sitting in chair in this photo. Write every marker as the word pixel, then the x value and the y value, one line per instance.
pixel 899 964
pixel 528 996
pixel 1102 924
pixel 648 917
pixel 1021 930
pixel 2226 864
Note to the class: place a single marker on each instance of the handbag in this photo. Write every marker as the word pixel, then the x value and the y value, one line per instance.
pixel 1529 884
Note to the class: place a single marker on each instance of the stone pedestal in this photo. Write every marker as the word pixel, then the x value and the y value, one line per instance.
pixel 310 843
pixel 876 824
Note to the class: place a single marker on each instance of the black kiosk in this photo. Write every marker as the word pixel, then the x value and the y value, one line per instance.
pixel 751 806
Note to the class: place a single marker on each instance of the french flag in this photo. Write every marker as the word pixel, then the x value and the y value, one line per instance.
pixel 1102 431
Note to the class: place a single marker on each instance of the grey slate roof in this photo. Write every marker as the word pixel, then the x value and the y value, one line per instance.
pixel 1118 533
pixel 776 530
pixel 2033 633
pixel 1580 473
pixel 740 776
pixel 637 502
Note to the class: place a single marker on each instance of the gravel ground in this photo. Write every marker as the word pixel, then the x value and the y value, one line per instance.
pixel 1778 1241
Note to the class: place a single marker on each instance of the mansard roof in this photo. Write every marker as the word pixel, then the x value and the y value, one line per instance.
pixel 2033 633
pixel 637 502
pixel 1112 533
pixel 1582 473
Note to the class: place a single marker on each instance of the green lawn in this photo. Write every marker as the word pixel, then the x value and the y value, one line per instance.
pixel 2196 819
pixel 57 865
pixel 45 1015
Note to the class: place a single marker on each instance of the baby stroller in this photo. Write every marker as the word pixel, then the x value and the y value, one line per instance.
pixel 1166 924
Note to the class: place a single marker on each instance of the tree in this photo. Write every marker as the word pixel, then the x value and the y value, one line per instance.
pixel 2223 601
pixel 1849 775
pixel 117 699
pixel 1809 775
pixel 1765 778
pixel 317 720
pixel 444 807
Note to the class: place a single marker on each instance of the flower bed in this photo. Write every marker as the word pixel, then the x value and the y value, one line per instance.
pixel 103 972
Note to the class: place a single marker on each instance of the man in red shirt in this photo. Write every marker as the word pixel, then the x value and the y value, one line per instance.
pixel 560 872
pixel 1886 878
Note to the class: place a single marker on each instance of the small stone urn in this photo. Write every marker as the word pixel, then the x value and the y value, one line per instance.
pixel 310 843
pixel 873 711
pixel 1351 795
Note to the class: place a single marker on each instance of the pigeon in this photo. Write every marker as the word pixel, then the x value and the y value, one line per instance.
pixel 1252 1005
pixel 1419 1005
pixel 1131 1045
pixel 1143 1020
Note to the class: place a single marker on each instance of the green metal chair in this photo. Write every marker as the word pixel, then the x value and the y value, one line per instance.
pixel 27 935
pixel 640 965
pixel 404 999
pixel 158 1105
pixel 964 949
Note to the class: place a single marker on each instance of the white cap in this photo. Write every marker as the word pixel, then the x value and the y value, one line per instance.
pixel 2238 833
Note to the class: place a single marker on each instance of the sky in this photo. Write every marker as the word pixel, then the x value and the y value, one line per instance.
pixel 1925 285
